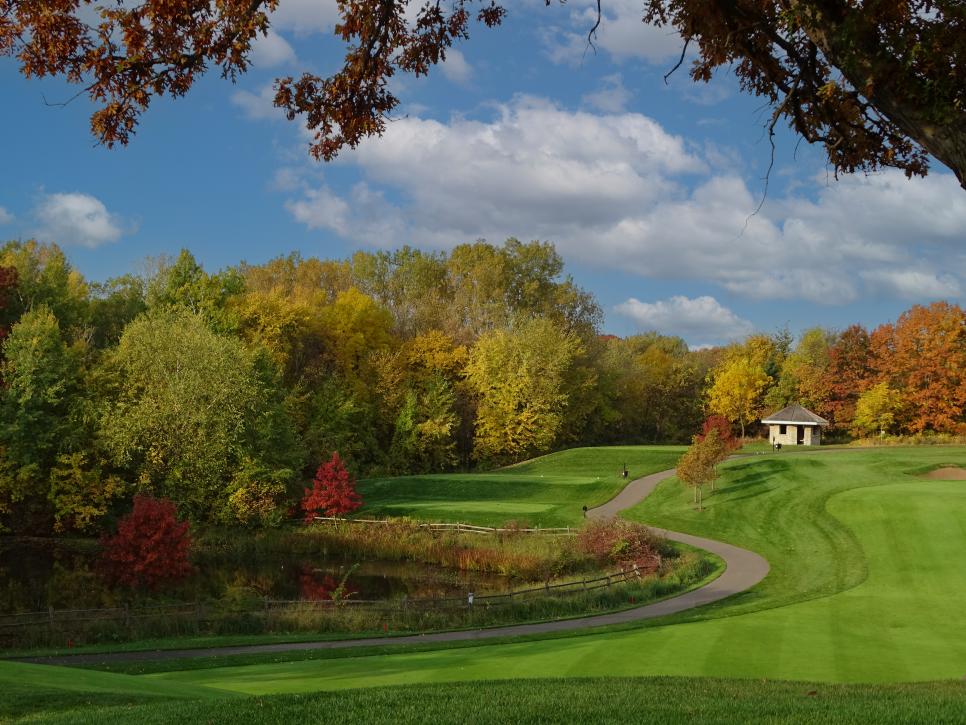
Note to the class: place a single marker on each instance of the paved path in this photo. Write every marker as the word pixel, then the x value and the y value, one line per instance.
pixel 744 570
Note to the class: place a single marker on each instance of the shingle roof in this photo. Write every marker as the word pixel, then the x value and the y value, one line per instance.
pixel 795 414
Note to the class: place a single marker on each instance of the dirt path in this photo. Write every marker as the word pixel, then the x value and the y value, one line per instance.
pixel 744 570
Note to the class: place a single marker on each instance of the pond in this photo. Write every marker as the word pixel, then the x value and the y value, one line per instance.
pixel 39 573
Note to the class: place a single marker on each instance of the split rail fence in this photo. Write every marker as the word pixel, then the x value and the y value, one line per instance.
pixel 458 528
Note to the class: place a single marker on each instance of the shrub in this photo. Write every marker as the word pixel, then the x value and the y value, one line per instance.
pixel 150 548
pixel 333 491
pixel 625 543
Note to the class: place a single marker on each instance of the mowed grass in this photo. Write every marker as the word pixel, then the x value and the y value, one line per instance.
pixel 27 689
pixel 611 700
pixel 867 586
pixel 549 491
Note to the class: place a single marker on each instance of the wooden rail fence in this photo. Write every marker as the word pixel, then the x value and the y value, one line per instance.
pixel 458 527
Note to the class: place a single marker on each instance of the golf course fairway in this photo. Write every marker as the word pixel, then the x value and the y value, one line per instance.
pixel 868 584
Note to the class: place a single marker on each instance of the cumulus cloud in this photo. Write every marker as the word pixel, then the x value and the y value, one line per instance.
pixel 5 216
pixel 456 68
pixel 269 51
pixel 616 190
pixel 76 218
pixel 700 320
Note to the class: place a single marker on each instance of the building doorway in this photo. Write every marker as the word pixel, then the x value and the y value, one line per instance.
pixel 801 435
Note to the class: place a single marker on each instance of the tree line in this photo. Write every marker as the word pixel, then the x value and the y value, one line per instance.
pixel 224 391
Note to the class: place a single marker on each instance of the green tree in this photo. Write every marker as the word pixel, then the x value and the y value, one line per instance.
pixel 46 278
pixel 41 389
pixel 183 402
pixel 184 283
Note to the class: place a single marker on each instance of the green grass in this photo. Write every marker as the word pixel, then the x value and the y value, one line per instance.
pixel 29 689
pixel 867 586
pixel 549 491
pixel 612 700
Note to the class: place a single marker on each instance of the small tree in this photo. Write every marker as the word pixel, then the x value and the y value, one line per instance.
pixel 333 491
pixel 698 466
pixel 151 546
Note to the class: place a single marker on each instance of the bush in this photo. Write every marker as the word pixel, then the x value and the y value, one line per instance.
pixel 150 548
pixel 624 543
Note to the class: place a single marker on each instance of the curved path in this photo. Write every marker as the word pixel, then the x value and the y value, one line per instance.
pixel 743 570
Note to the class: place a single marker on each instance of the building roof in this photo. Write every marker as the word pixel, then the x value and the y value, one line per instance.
pixel 795 415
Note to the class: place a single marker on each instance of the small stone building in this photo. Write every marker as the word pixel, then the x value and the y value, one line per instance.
pixel 795 426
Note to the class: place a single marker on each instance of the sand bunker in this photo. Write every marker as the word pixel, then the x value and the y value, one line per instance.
pixel 949 473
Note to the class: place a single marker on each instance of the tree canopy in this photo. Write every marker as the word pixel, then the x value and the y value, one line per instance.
pixel 875 83
pixel 224 391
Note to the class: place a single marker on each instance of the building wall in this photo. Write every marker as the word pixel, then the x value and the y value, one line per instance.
pixel 813 435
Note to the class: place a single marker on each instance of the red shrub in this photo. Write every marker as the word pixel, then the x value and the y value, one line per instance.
pixel 725 434
pixel 615 541
pixel 150 547
pixel 333 491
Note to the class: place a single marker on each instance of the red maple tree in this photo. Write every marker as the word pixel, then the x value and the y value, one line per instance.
pixel 725 434
pixel 151 546
pixel 333 491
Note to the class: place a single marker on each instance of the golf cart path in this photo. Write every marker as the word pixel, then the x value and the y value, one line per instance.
pixel 743 570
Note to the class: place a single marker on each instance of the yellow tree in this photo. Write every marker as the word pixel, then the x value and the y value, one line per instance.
pixel 518 377
pixel 876 409
pixel 736 390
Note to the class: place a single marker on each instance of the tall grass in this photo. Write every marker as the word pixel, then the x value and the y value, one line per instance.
pixel 513 555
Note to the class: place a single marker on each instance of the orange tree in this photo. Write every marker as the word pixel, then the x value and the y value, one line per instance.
pixel 877 83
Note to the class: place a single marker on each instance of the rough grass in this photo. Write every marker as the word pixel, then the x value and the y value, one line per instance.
pixel 612 700
pixel 549 491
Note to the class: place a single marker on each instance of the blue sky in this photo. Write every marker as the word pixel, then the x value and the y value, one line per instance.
pixel 646 189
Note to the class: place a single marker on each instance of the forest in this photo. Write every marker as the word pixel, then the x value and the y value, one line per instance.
pixel 223 391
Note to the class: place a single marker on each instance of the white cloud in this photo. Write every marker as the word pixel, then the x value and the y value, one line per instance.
pixel 5 216
pixel 76 218
pixel 455 68
pixel 912 284
pixel 272 50
pixel 622 34
pixel 611 97
pixel 700 321
pixel 616 191
pixel 258 106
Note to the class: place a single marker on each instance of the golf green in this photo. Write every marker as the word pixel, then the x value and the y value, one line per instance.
pixel 548 491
